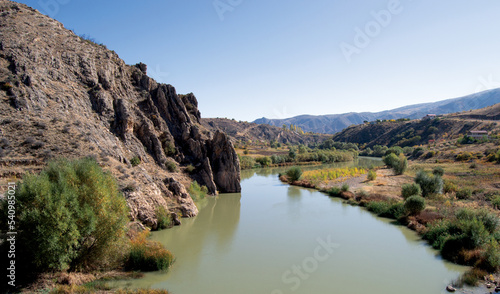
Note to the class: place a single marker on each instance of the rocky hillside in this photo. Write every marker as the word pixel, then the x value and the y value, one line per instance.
pixel 337 122
pixel 243 132
pixel 64 96
pixel 421 131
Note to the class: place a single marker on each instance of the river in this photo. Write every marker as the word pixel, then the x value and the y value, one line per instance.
pixel 273 238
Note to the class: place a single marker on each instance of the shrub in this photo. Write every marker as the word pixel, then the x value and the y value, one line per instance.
pixel 345 187
pixel 491 256
pixel 169 148
pixel 378 207
pixel 163 218
pixel 464 156
pixel 401 166
pixel 408 190
pixel 171 166
pixel 438 171
pixel 247 162
pixel 197 192
pixel 372 175
pixel 464 193
pixel 449 187
pixel 71 215
pixel 334 191
pixel 294 173
pixel 264 161
pixel 391 160
pixel 147 255
pixel 429 184
pixel 190 169
pixel 414 204
pixel 135 161
pixel 398 163
pixel 495 202
pixel 395 211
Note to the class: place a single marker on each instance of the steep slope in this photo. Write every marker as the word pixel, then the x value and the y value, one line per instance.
pixel 64 96
pixel 336 122
pixel 252 132
pixel 421 131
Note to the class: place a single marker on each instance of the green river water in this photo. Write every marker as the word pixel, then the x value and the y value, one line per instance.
pixel 273 238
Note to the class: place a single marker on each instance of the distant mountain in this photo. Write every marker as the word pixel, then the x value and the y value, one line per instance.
pixel 421 131
pixel 333 123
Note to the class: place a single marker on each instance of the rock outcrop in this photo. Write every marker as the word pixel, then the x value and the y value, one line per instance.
pixel 65 96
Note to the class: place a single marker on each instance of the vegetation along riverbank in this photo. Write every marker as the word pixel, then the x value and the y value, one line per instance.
pixel 453 204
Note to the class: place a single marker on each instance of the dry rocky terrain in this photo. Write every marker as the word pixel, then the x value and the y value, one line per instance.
pixel 65 96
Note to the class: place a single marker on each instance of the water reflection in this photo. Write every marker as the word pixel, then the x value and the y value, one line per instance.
pixel 244 243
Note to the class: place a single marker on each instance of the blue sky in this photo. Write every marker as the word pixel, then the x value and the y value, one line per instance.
pixel 248 59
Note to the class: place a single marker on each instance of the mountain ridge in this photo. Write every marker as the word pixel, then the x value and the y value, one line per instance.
pixel 333 123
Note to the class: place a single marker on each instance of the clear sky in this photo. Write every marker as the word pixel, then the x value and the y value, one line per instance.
pixel 279 58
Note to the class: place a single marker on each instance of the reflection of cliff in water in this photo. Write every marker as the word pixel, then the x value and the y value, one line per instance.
pixel 214 226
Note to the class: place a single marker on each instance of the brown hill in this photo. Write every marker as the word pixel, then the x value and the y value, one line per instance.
pixel 64 96
pixel 244 132
pixel 421 131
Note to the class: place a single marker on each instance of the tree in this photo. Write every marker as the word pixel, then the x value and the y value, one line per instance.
pixel 71 215
pixel 294 173
pixel 415 204
pixel 429 184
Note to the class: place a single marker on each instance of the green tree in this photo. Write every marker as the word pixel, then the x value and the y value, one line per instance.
pixel 414 204
pixel 430 184
pixel 71 215
pixel 294 173
pixel 408 190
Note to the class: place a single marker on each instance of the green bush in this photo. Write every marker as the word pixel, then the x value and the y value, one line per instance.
pixel 372 175
pixel 495 202
pixel 414 204
pixel 449 187
pixel 468 230
pixel 334 191
pixel 71 215
pixel 170 149
pixel 412 189
pixel 378 207
pixel 491 256
pixel 464 193
pixel 147 255
pixel 294 173
pixel 395 211
pixel 264 161
pixel 163 218
pixel 438 171
pixel 190 169
pixel 171 166
pixel 197 192
pixel 401 166
pixel 398 163
pixel 345 187
pixel 135 161
pixel 430 184
pixel 464 156
pixel 391 160
pixel 247 162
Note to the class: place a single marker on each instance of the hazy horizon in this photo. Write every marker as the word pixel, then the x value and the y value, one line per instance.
pixel 253 59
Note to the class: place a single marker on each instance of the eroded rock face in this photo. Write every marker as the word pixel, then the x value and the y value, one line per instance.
pixel 90 103
pixel 225 164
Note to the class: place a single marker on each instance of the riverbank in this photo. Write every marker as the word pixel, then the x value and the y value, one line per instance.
pixel 382 196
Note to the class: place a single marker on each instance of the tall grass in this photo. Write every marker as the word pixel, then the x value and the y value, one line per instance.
pixel 147 255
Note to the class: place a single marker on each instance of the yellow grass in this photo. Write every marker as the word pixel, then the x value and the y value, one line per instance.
pixel 325 175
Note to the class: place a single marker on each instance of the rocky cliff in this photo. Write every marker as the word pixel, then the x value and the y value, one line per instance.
pixel 65 96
